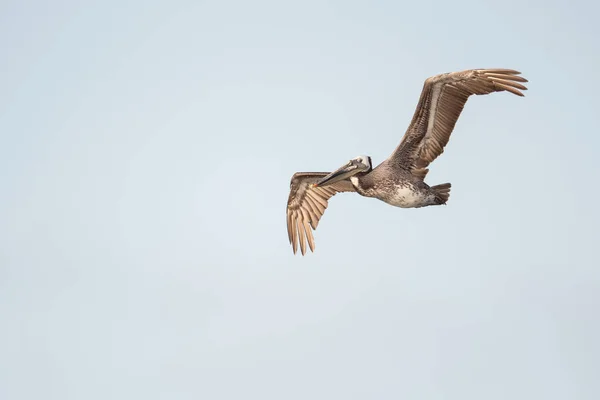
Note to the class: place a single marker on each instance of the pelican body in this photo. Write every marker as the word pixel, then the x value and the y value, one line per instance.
pixel 389 183
pixel 398 180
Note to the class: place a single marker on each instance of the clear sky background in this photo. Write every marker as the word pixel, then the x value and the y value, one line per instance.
pixel 146 150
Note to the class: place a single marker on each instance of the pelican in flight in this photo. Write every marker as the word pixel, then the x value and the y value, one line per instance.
pixel 398 180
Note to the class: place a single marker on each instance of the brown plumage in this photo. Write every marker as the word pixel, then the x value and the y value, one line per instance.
pixel 442 100
pixel 399 180
pixel 306 205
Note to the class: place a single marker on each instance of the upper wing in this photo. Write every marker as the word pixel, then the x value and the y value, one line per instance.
pixel 306 205
pixel 441 102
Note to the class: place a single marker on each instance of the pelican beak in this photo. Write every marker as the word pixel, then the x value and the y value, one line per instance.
pixel 338 175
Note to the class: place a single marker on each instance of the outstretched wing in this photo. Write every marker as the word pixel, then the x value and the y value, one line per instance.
pixel 306 205
pixel 441 102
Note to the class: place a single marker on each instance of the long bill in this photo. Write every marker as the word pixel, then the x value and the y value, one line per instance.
pixel 338 175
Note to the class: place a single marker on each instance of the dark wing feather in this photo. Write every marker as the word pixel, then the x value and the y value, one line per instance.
pixel 441 102
pixel 306 205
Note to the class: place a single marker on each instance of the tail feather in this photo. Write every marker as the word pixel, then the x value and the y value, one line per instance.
pixel 442 192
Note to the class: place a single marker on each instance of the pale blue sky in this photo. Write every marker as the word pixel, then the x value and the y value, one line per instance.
pixel 145 155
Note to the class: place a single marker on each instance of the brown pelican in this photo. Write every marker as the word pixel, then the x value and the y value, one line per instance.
pixel 399 180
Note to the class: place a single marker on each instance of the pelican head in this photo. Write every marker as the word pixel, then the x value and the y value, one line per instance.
pixel 353 167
